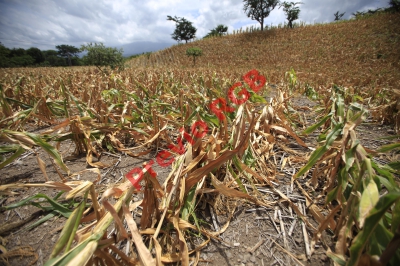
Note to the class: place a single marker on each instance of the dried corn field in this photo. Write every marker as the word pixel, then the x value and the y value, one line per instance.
pixel 159 164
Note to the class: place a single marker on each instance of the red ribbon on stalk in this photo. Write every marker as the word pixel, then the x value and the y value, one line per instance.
pixel 219 111
pixel 243 92
pixel 255 80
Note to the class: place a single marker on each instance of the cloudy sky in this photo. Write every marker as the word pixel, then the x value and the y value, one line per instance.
pixel 46 23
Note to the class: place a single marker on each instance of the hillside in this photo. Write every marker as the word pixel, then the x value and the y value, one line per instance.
pixel 360 53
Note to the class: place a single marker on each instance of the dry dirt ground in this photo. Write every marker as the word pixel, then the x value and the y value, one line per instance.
pixel 252 237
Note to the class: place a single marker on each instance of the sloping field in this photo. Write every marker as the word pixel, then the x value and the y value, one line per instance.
pixel 278 147
pixel 362 53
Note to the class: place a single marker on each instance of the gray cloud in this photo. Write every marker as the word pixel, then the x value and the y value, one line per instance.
pixel 46 23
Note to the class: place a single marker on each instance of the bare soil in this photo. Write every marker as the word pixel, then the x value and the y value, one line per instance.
pixel 251 238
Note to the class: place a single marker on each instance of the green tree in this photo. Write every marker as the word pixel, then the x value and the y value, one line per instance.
pixel 17 52
pixel 67 51
pixel 51 58
pixel 195 52
pixel 47 53
pixel 338 16
pixel 4 56
pixel 259 9
pixel 21 61
pixel 54 60
pixel 76 61
pixel 395 5
pixel 292 11
pixel 36 54
pixel 18 57
pixel 218 31
pixel 184 30
pixel 98 55
pixel 48 56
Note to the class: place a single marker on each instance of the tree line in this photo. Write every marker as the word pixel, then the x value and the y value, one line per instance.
pixel 65 55
pixel 18 57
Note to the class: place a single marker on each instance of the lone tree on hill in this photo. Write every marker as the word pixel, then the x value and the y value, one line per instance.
pixel 195 52
pixel 184 30
pixel 67 51
pixel 218 31
pixel 259 9
pixel 292 11
pixel 338 16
